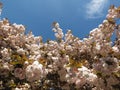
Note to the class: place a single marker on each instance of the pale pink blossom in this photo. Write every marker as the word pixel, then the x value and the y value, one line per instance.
pixel 19 73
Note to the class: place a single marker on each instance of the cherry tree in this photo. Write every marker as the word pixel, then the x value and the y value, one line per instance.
pixel 67 63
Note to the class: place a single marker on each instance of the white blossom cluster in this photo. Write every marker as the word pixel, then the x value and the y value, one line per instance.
pixel 67 63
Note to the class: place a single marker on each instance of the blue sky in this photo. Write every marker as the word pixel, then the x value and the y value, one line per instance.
pixel 80 16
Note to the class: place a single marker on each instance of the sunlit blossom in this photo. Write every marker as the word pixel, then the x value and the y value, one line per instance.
pixel 27 63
